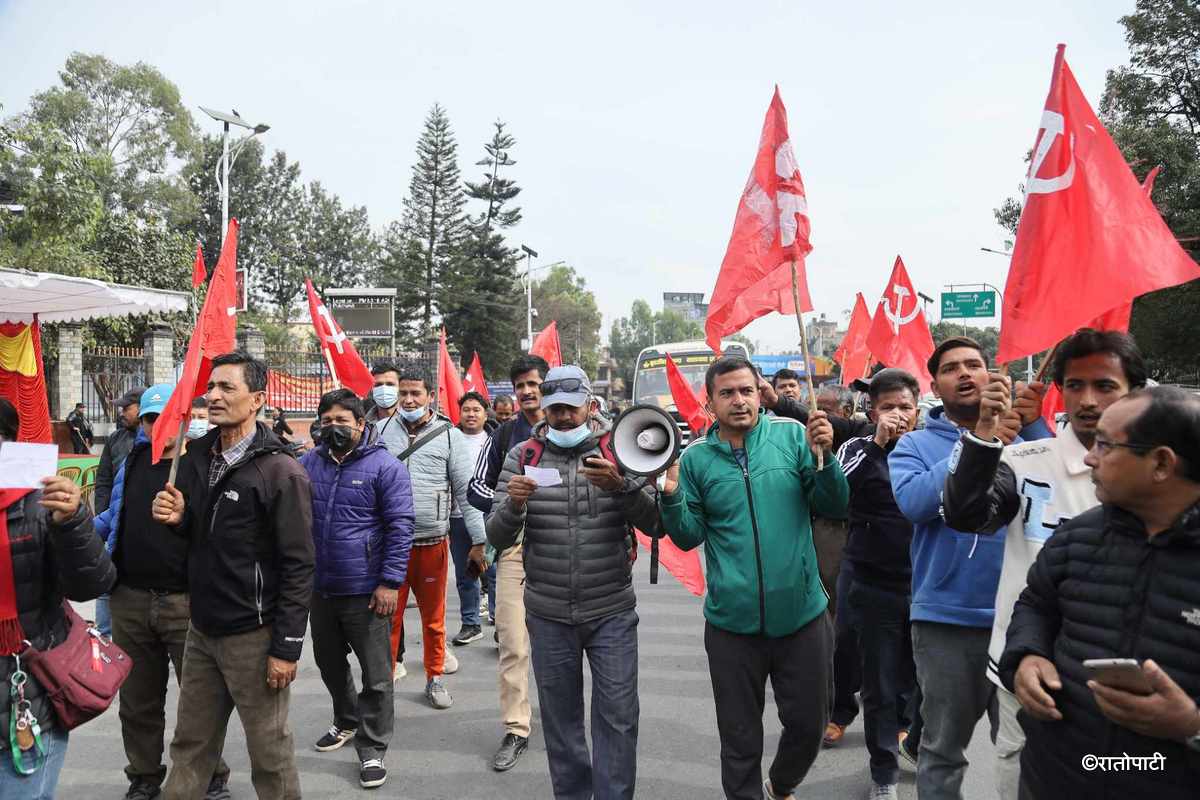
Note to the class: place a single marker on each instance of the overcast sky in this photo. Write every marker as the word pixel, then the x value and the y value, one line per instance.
pixel 636 123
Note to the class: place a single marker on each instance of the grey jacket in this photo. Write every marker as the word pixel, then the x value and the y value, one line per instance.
pixel 578 551
pixel 440 470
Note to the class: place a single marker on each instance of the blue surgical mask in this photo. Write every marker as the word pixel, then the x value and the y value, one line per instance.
pixel 568 440
pixel 385 396
pixel 416 415
pixel 197 428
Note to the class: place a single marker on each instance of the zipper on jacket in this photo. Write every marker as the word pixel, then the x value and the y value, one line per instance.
pixel 258 590
pixel 762 593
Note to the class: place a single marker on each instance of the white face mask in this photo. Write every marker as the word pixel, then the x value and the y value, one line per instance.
pixel 197 428
pixel 385 396
pixel 415 415
pixel 569 439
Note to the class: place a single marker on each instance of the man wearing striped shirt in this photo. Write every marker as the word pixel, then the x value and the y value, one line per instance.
pixel 880 569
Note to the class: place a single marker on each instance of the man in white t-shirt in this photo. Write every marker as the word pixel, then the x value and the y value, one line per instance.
pixel 1033 487
pixel 472 415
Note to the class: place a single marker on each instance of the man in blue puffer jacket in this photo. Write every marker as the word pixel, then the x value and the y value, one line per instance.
pixel 362 534
pixel 954 574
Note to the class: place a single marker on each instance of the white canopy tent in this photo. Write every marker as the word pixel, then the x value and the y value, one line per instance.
pixel 62 298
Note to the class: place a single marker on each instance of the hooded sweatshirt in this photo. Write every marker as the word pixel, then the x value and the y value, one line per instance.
pixel 954 574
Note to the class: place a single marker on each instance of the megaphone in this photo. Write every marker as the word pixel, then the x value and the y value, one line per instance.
pixel 645 440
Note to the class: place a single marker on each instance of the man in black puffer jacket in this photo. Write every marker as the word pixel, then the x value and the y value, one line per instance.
pixel 1118 581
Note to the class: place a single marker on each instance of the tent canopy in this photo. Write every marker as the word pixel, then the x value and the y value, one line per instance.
pixel 62 298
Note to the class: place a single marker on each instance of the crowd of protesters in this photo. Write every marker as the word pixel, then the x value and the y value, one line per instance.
pixel 922 571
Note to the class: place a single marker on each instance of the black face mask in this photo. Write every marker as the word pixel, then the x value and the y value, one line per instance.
pixel 338 438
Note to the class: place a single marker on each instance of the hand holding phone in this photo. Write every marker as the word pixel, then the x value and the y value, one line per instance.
pixel 1119 673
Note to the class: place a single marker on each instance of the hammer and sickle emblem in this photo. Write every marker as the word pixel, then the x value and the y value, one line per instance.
pixel 335 336
pixel 1053 124
pixel 897 317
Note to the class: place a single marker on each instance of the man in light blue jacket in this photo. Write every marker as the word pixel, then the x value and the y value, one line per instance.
pixel 955 574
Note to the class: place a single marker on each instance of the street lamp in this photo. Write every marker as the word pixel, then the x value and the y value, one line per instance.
pixel 230 154
pixel 530 255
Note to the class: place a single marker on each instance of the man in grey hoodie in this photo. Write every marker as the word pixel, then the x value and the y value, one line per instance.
pixel 440 465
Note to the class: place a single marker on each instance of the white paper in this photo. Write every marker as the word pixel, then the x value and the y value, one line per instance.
pixel 24 464
pixel 545 476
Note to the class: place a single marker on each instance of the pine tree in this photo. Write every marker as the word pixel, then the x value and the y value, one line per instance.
pixel 420 253
pixel 482 305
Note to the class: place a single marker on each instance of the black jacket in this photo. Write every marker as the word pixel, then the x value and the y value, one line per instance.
pixel 250 561
pixel 843 429
pixel 116 448
pixel 1101 589
pixel 49 562
pixel 880 535
pixel 508 435
pixel 146 555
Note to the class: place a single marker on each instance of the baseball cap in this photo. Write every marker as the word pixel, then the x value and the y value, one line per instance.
pixel 130 397
pixel 567 384
pixel 154 399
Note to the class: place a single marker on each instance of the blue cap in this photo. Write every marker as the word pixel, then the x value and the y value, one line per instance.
pixel 154 399
pixel 567 384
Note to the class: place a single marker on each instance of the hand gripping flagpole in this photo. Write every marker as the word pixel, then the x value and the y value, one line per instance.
pixel 183 426
pixel 812 393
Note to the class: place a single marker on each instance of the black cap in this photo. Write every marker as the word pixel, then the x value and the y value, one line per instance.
pixel 131 397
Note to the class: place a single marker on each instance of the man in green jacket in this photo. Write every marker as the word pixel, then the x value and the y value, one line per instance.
pixel 746 491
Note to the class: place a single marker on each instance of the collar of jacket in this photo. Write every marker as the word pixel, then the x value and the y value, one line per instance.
pixel 750 441
pixel 265 441
pixel 360 449
pixel 1072 452
pixel 597 423
pixel 1184 531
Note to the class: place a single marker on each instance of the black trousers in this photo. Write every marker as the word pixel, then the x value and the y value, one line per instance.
pixel 341 625
pixel 798 666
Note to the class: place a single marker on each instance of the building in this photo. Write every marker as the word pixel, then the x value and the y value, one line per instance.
pixel 823 336
pixel 689 305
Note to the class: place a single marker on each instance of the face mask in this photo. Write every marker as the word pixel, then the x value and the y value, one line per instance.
pixel 569 439
pixel 416 415
pixel 338 438
pixel 385 396
pixel 197 428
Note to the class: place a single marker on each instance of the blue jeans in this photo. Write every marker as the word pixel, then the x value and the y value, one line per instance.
pixel 611 645
pixel 40 785
pixel 468 587
pixel 103 616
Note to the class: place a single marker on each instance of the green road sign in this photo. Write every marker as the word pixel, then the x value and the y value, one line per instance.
pixel 968 305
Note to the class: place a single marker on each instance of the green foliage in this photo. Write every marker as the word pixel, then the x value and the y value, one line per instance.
pixel 563 297
pixel 642 328
pixel 338 248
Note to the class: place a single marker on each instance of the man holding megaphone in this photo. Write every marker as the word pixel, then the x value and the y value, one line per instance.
pixel 746 491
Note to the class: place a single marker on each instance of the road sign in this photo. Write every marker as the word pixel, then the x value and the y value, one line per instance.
pixel 362 313
pixel 968 305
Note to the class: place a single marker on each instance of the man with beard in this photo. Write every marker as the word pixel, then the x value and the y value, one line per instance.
pixel 955 574
pixel 503 408
pixel 527 374
pixel 1032 488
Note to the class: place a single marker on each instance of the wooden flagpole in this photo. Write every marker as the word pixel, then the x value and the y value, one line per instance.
pixel 812 393
pixel 337 384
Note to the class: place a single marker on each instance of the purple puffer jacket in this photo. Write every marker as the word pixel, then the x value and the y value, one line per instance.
pixel 362 519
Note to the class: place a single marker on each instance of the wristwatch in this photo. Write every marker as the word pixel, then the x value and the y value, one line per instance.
pixel 1193 741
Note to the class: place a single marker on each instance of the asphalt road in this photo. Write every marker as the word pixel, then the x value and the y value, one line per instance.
pixel 445 754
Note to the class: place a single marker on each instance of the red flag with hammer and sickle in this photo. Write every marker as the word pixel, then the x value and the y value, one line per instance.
pixel 899 335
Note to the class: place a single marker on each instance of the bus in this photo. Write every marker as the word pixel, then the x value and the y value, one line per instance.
pixel 692 358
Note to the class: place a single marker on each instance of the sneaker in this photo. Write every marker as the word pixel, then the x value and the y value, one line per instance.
pixel 217 790
pixel 833 734
pixel 334 738
pixel 372 773
pixel 908 753
pixel 883 791
pixel 770 792
pixel 450 665
pixel 467 634
pixel 491 620
pixel 510 750
pixel 142 790
pixel 439 697
pixel 399 672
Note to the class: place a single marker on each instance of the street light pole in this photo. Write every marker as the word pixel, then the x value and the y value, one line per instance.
pixel 229 155
pixel 530 254
pixel 224 181
pixel 1028 358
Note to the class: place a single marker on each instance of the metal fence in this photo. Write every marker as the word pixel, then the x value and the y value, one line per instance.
pixel 108 373
pixel 296 379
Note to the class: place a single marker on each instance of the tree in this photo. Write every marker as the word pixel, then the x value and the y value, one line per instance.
pixel 563 297
pixel 494 190
pixel 271 253
pixel 642 328
pixel 246 178
pixel 337 247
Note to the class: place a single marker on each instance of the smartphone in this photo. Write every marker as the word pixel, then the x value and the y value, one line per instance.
pixel 1119 673
pixel 594 462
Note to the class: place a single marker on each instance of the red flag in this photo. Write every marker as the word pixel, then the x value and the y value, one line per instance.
pixel 23 380
pixel 450 387
pixel 340 353
pixel 852 353
pixel 474 381
pixel 1089 239
pixel 683 564
pixel 215 333
pixel 1052 406
pixel 686 402
pixel 770 231
pixel 545 344
pixel 899 335
pixel 198 271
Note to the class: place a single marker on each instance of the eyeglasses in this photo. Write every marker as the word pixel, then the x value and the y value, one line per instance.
pixel 563 385
pixel 1104 446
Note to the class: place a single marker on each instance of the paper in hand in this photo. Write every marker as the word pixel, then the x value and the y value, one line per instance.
pixel 24 464
pixel 544 476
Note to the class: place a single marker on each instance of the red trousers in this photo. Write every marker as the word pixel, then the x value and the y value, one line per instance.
pixel 427 569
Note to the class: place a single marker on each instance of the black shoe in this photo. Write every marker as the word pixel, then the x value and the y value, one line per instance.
pixel 217 790
pixel 334 738
pixel 372 773
pixel 510 750
pixel 467 634
pixel 142 790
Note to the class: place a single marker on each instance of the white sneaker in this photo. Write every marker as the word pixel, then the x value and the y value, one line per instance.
pixel 883 791
pixel 450 665
pixel 399 672
pixel 437 694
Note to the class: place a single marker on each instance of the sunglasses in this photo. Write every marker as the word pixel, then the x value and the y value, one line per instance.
pixel 567 385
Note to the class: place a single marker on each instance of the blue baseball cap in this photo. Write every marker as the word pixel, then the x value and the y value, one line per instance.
pixel 154 399
pixel 567 384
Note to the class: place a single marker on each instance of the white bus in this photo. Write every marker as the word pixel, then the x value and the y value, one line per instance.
pixel 692 358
